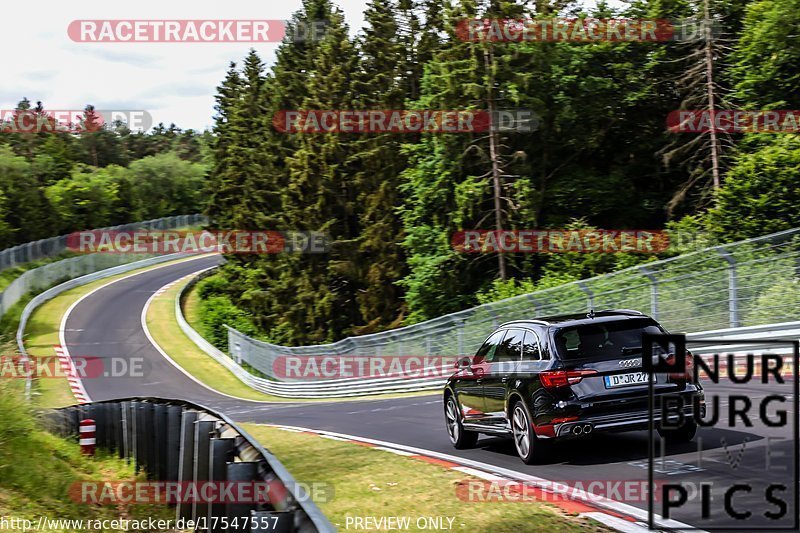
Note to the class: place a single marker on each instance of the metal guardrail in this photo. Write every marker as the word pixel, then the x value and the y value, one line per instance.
pixel 786 331
pixel 176 440
pixel 45 276
pixel 747 283
pixel 335 388
pixel 53 246
pixel 714 291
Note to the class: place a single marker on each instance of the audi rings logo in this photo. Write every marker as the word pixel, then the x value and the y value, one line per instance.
pixel 630 363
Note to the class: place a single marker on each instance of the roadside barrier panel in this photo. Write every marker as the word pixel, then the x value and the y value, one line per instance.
pixel 176 440
pixel 747 287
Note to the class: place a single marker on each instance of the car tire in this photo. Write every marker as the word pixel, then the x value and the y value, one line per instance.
pixel 459 437
pixel 525 440
pixel 684 433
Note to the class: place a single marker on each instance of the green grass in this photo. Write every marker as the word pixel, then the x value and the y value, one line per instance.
pixel 164 328
pixel 191 308
pixel 371 482
pixel 37 470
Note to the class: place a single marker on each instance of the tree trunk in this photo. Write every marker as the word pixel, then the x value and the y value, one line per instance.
pixel 494 156
pixel 709 57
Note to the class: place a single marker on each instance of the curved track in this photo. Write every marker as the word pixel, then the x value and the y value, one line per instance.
pixel 107 323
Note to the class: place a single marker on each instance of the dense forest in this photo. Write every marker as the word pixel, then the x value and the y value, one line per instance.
pixel 601 156
pixel 55 183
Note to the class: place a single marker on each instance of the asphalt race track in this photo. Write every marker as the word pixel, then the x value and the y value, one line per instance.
pixel 107 323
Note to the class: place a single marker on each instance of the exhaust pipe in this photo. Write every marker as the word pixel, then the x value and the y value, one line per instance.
pixel 587 429
pixel 577 430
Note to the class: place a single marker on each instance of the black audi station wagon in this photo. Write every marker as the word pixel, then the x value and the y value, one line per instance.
pixel 563 377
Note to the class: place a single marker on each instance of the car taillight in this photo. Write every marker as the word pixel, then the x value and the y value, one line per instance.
pixel 688 375
pixel 561 378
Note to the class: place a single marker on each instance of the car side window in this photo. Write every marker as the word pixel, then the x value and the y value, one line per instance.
pixel 486 351
pixel 510 349
pixel 530 348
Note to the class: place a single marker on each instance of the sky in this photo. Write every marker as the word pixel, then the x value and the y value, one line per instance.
pixel 174 82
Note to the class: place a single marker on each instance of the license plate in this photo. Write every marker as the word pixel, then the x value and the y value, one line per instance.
pixel 624 380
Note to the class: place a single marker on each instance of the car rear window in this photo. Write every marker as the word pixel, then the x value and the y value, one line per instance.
pixel 604 340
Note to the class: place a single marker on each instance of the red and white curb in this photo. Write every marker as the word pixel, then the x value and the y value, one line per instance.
pixel 172 283
pixel 611 513
pixel 166 287
pixel 68 368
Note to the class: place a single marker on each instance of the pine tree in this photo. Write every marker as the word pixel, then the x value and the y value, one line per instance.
pixel 224 183
pixel 379 84
pixel 322 197
pixel 471 186
pixel 701 89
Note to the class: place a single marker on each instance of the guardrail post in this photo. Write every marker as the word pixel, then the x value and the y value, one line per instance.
pixel 136 446
pixel 202 443
pixel 495 321
pixel 121 429
pixel 733 288
pixel 104 428
pixel 653 290
pixel 533 302
pixel 221 452
pixel 589 294
pixel 173 444
pixel 160 441
pixel 460 338
pixel 126 430
pixel 186 460
pixel 110 429
pixel 240 512
pixel 148 440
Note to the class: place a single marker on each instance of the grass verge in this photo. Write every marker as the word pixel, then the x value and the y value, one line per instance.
pixel 41 335
pixel 372 482
pixel 191 308
pixel 37 470
pixel 164 328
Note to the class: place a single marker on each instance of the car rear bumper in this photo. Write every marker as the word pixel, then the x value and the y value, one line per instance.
pixel 630 421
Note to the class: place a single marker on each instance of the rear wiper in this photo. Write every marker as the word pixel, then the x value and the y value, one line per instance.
pixel 626 350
